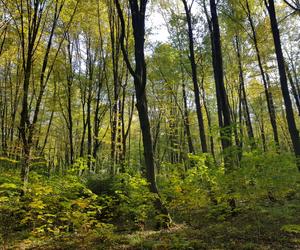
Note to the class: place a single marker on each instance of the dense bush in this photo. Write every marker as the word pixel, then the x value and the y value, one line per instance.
pixel 262 178
pixel 126 199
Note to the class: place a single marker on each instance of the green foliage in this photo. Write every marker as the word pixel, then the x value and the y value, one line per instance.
pixel 80 165
pixel 72 210
pixel 10 207
pixel 263 178
pixel 8 160
pixel 54 207
pixel 291 229
pixel 191 193
pixel 262 173
pixel 126 199
pixel 136 202
pixel 79 99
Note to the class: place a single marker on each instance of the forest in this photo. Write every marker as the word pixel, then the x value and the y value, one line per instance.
pixel 163 124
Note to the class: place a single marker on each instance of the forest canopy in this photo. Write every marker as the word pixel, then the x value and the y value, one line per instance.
pixel 117 135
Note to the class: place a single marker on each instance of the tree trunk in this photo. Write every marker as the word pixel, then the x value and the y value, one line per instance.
pixel 294 89
pixel 69 101
pixel 268 95
pixel 195 78
pixel 222 101
pixel 243 96
pixel 187 121
pixel 139 74
pixel 294 133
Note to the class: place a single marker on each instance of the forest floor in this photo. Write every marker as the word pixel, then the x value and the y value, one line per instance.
pixel 273 226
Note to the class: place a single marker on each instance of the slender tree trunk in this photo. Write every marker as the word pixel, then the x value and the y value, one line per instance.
pixel 89 127
pixel 126 131
pixel 195 79
pixel 294 89
pixel 4 109
pixel 139 73
pixel 119 129
pixel 241 112
pixel 115 47
pixel 48 132
pixel 268 94
pixel 70 123
pixel 98 116
pixel 69 101
pixel 187 121
pixel 122 130
pixel 243 96
pixel 209 123
pixel 15 103
pixel 294 133
pixel 222 101
pixel 295 77
pixel 84 125
pixel 25 121
pixel 90 79
pixel 263 136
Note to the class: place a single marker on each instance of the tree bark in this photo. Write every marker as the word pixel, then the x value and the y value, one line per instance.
pixel 222 101
pixel 195 78
pixel 69 100
pixel 139 74
pixel 294 133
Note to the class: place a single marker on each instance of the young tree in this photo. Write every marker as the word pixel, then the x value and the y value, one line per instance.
pixel 268 94
pixel 32 18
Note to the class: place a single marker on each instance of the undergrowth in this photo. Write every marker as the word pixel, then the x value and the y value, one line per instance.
pixel 99 212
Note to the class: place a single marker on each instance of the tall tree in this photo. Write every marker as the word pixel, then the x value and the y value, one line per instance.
pixel 268 94
pixel 33 17
pixel 139 74
pixel 222 101
pixel 194 76
pixel 294 133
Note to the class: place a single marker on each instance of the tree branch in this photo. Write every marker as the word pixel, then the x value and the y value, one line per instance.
pixel 122 37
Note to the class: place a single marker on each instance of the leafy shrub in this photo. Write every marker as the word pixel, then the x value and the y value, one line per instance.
pixel 50 208
pixel 126 199
pixel 263 178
